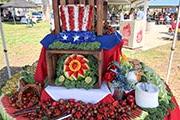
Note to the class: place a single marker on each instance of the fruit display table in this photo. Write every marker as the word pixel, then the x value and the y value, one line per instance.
pixel 34 101
pixel 64 86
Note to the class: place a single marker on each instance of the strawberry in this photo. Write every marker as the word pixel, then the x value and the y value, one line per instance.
pixel 78 115
pixel 99 117
pixel 124 103
pixel 115 103
pixel 55 104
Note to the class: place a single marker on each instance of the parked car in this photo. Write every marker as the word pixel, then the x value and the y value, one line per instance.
pixel 23 20
pixel 37 15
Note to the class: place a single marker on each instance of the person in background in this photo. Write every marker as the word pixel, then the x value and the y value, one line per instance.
pixel 108 15
pixel 29 19
pixel 126 16
pixel 121 15
pixel 10 17
pixel 154 16
pixel 140 14
pixel 161 18
pixel 172 16
pixel 113 18
pixel 167 19
pixel 132 14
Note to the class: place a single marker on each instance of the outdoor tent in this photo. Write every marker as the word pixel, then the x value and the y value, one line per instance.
pixel 119 2
pixel 163 3
pixel 19 4
pixel 123 1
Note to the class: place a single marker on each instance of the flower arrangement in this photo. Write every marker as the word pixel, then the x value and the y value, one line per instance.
pixel 117 76
pixel 77 71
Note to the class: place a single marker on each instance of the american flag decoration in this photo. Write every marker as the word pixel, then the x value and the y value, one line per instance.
pixel 76 17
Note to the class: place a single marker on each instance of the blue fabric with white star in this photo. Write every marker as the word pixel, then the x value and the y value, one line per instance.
pixel 73 37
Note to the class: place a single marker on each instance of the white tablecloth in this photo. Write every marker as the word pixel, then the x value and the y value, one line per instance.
pixel 87 96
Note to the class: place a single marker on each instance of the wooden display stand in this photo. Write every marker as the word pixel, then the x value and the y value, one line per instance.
pixel 52 55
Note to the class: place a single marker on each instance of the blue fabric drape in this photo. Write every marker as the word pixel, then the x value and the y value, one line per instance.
pixel 107 41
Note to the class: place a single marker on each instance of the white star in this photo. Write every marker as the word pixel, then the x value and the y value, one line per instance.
pixel 86 37
pixel 114 70
pixel 76 37
pixel 65 37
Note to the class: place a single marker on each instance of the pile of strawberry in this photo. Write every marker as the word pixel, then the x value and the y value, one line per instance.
pixel 120 110
pixel 28 100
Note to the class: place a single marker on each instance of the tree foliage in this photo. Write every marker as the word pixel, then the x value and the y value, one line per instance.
pixel 3 1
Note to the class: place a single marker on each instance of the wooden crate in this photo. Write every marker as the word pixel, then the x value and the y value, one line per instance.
pixel 53 55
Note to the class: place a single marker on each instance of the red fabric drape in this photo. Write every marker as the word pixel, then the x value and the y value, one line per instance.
pixel 112 55
pixel 41 70
pixel 174 114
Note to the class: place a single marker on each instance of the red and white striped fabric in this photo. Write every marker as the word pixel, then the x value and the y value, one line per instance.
pixel 76 17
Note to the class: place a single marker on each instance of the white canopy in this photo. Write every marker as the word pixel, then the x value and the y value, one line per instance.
pixel 119 2
pixel 123 2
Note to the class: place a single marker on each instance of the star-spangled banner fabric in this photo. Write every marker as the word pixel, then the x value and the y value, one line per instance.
pixel 77 37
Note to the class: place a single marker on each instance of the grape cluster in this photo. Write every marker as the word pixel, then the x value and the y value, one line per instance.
pixel 11 85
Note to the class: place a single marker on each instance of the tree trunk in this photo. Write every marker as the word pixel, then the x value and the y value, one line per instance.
pixel 46 9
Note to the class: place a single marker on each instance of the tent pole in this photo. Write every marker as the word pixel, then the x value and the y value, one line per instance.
pixel 145 14
pixel 5 49
pixel 173 46
pixel 14 16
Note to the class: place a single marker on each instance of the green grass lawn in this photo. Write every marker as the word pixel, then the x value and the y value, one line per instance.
pixel 23 42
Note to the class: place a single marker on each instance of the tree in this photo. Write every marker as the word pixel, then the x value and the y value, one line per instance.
pixel 3 1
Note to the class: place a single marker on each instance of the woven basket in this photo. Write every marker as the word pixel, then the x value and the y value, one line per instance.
pixel 35 88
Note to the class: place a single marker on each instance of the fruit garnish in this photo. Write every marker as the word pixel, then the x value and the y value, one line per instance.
pixel 61 78
pixel 88 80
pixel 75 66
